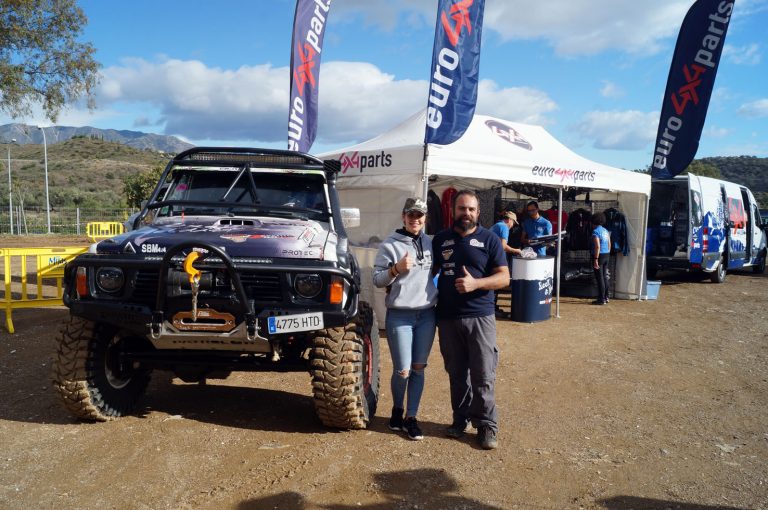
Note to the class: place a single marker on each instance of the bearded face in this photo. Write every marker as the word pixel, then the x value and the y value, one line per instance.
pixel 465 213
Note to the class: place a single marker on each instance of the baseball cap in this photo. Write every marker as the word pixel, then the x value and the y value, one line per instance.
pixel 415 204
pixel 510 215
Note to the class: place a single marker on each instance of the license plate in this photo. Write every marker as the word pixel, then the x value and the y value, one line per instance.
pixel 293 323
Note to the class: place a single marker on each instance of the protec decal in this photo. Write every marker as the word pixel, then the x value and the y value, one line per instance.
pixel 508 134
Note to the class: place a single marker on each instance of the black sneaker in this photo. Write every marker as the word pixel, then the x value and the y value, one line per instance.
pixel 599 302
pixel 457 429
pixel 411 427
pixel 396 421
pixel 486 438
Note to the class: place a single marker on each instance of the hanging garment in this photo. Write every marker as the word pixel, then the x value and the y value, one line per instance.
pixel 446 202
pixel 579 229
pixel 434 213
pixel 616 224
pixel 554 218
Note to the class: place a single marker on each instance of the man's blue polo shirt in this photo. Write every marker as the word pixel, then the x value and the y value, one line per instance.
pixel 480 253
pixel 538 228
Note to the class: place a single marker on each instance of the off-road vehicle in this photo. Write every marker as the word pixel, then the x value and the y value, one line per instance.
pixel 238 261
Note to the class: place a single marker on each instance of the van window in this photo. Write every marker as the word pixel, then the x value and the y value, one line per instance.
pixel 736 213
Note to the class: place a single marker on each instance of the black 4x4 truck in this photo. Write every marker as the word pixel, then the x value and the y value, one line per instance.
pixel 239 261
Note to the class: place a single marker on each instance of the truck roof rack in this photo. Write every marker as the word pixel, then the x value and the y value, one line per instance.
pixel 238 156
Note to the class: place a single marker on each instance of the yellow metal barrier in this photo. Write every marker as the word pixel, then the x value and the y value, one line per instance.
pixel 48 265
pixel 98 230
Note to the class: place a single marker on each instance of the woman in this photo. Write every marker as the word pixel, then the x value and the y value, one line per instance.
pixel 404 266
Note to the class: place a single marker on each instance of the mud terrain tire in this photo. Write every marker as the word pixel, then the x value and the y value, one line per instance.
pixel 87 376
pixel 345 372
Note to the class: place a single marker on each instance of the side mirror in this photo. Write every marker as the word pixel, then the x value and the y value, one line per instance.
pixel 350 217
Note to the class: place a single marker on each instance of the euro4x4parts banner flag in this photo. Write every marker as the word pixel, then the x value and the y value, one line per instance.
pixel 455 70
pixel 306 47
pixel 689 86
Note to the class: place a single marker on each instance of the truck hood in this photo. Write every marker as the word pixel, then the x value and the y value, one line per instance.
pixel 238 237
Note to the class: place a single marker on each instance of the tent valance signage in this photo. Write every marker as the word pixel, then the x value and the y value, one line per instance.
pixel 378 174
pixel 491 148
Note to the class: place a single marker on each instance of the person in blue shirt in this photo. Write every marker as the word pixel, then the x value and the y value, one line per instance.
pixel 502 228
pixel 601 252
pixel 536 226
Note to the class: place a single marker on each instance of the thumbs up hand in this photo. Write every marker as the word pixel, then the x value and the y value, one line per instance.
pixel 404 264
pixel 466 283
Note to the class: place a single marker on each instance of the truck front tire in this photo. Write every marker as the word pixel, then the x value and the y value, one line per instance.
pixel 344 366
pixel 88 373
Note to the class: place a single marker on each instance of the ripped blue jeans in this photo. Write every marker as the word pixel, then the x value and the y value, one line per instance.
pixel 410 334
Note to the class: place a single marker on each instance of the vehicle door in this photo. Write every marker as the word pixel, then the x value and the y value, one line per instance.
pixel 736 216
pixel 713 228
pixel 758 233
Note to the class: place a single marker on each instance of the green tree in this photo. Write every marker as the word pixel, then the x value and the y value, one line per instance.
pixel 138 187
pixel 41 60
pixel 698 167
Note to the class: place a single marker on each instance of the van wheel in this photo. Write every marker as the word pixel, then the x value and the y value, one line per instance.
pixel 718 275
pixel 759 268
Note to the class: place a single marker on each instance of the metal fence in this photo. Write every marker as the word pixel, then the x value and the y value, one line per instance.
pixel 64 220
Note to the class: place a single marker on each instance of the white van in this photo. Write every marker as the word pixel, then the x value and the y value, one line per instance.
pixel 702 224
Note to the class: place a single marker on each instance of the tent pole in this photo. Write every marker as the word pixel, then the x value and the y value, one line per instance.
pixel 643 241
pixel 559 251
pixel 424 176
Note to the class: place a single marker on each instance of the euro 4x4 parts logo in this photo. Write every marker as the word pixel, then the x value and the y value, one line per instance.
pixel 309 27
pixel 357 161
pixel 508 134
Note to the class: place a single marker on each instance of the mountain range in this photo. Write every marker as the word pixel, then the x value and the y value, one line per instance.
pixel 26 134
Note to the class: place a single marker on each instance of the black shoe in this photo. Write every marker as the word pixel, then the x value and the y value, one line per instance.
pixel 396 421
pixel 486 438
pixel 457 429
pixel 599 302
pixel 411 428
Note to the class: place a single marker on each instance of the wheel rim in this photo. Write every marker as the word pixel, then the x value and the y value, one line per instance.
pixel 367 362
pixel 117 376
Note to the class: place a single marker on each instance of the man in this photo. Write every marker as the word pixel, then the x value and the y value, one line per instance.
pixel 472 265
pixel 536 226
pixel 502 229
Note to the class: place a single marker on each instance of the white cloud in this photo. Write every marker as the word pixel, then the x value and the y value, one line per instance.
pixel 755 109
pixel 618 130
pixel 746 55
pixel 717 132
pixel 517 104
pixel 611 90
pixel 572 27
pixel 251 103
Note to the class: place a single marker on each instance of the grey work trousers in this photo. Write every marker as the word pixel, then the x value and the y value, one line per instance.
pixel 470 354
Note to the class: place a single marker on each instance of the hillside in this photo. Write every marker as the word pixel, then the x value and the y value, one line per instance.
pixel 750 171
pixel 26 134
pixel 82 172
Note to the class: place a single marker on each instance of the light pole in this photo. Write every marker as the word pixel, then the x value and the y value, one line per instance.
pixel 47 202
pixel 10 191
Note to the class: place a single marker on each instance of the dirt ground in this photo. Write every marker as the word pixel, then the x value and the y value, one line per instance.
pixel 657 404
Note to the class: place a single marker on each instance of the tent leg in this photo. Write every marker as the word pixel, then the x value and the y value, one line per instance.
pixel 559 251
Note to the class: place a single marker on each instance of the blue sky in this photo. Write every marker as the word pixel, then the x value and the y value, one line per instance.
pixel 592 72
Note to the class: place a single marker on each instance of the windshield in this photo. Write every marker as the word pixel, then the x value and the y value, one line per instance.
pixel 217 192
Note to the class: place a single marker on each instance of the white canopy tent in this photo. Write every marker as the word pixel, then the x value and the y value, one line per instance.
pixel 378 174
